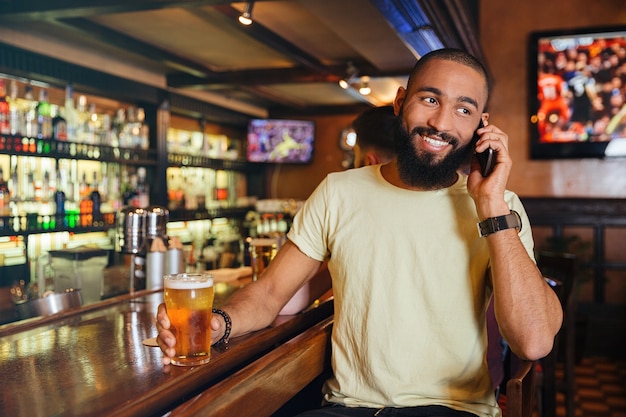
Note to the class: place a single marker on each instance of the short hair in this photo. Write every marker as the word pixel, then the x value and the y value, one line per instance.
pixel 450 54
pixel 374 129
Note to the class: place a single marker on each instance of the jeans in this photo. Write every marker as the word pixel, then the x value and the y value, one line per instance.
pixel 337 410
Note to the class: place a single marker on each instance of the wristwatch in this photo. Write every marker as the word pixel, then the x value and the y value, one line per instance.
pixel 495 224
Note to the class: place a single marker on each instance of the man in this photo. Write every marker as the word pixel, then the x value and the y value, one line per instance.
pixel 411 277
pixel 374 143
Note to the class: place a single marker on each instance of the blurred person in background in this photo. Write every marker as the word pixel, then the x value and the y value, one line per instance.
pixel 374 136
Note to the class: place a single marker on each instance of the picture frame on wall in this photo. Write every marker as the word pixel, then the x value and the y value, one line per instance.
pixel 577 93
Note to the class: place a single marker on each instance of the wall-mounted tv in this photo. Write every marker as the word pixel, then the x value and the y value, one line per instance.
pixel 280 141
pixel 577 93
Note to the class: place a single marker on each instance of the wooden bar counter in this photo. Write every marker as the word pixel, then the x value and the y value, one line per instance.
pixel 93 362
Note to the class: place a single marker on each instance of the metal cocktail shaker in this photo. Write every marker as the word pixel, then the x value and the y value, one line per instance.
pixel 131 239
pixel 156 223
pixel 156 242
pixel 131 231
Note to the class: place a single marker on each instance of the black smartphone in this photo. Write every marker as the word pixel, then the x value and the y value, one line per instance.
pixel 486 159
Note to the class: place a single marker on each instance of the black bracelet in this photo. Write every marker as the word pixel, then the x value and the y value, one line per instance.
pixel 229 325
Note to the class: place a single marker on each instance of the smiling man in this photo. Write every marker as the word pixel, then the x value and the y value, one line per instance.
pixel 411 275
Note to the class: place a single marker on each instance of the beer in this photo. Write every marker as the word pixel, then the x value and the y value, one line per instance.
pixel 262 251
pixel 189 300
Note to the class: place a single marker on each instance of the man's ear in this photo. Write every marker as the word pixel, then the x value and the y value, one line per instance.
pixel 399 100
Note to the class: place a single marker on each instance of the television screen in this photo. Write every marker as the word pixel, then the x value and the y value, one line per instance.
pixel 577 93
pixel 280 141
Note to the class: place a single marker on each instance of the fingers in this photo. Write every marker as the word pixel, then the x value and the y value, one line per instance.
pixel 216 329
pixel 494 138
pixel 163 320
pixel 165 339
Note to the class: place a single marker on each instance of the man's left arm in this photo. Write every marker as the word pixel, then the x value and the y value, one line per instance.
pixel 527 309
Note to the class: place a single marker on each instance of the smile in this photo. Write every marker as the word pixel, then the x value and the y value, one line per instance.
pixel 437 143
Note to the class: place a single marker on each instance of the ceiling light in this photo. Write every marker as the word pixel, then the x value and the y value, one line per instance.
pixel 351 74
pixel 246 17
pixel 365 86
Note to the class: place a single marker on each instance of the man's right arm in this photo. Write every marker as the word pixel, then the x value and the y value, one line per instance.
pixel 255 306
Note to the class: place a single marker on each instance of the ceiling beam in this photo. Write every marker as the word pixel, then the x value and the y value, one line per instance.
pixel 270 76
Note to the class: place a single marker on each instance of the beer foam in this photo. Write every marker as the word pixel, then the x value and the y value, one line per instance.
pixel 187 282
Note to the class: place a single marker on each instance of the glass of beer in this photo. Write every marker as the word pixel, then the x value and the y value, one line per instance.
pixel 262 251
pixel 189 300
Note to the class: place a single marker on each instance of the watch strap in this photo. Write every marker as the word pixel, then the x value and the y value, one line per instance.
pixel 496 224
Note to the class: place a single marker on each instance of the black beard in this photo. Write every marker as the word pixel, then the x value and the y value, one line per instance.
pixel 420 170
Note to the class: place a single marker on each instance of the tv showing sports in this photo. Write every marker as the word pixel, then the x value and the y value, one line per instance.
pixel 577 93
pixel 280 141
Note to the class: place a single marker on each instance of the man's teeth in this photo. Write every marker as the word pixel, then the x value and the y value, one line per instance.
pixel 435 142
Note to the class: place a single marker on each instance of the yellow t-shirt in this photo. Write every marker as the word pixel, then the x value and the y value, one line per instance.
pixel 409 280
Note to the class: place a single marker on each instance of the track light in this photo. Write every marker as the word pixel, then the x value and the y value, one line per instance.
pixel 365 86
pixel 351 74
pixel 246 17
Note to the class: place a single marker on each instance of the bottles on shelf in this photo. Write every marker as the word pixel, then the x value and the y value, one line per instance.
pixel 5 202
pixel 84 122
pixel 44 119
pixel 44 193
pixel 197 188
pixel 5 114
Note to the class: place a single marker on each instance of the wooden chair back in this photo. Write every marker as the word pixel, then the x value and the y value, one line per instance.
pixel 560 267
pixel 520 391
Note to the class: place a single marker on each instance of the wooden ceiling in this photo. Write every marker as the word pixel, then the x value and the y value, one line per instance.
pixel 289 61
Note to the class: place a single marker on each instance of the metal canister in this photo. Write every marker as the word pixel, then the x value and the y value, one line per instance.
pixel 156 222
pixel 131 230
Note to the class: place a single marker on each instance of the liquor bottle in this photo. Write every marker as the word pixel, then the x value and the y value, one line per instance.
pixel 143 192
pixel 5 196
pixel 59 202
pixel 29 111
pixel 70 114
pixel 82 127
pixel 118 137
pixel 59 125
pixel 221 185
pixel 15 115
pixel 132 129
pixel 85 206
pixel 105 131
pixel 5 207
pixel 144 131
pixel 44 120
pixel 96 202
pixel 93 125
pixel 46 208
pixel 5 127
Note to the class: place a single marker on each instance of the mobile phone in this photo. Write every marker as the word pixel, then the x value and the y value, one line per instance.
pixel 486 159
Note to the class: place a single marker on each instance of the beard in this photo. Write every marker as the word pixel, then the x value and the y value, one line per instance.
pixel 421 169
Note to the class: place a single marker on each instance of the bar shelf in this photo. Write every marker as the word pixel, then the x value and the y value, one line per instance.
pixel 25 146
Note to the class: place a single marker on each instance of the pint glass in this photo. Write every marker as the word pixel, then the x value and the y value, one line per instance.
pixel 262 251
pixel 189 300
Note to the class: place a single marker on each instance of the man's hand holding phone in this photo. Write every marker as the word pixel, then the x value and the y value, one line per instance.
pixel 487 183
